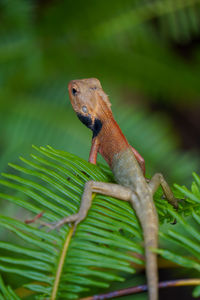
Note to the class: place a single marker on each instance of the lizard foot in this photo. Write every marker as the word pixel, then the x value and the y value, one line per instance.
pixel 76 219
pixel 175 202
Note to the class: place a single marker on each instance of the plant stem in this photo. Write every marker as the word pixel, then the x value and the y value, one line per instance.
pixel 61 263
pixel 142 288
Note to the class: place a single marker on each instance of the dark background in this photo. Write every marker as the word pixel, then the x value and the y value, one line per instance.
pixel 146 55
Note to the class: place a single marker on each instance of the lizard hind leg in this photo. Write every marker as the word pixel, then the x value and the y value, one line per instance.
pixel 157 180
pixel 109 189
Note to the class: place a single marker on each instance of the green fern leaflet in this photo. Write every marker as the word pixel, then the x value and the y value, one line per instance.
pixel 58 265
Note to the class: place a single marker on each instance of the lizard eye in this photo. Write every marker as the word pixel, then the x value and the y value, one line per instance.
pixel 74 91
pixel 84 109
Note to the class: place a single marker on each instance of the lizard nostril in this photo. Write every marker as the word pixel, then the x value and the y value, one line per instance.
pixel 74 91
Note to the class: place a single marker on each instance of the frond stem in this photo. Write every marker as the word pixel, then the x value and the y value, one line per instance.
pixel 61 263
pixel 143 288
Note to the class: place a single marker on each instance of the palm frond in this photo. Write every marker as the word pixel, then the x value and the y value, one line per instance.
pixel 187 237
pixel 192 197
pixel 98 250
pixel 55 264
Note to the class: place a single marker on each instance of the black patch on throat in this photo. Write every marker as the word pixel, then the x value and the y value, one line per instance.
pixel 94 126
pixel 85 120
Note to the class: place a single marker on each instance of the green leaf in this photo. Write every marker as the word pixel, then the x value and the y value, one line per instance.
pixel 105 243
pixel 97 252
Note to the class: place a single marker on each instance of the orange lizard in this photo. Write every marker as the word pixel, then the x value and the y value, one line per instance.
pixel 93 108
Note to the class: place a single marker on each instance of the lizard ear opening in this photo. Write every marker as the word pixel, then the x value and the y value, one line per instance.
pixel 84 109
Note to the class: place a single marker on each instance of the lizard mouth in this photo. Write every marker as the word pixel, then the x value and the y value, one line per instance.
pixel 95 125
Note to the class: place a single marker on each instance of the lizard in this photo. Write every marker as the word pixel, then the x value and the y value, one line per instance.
pixel 93 108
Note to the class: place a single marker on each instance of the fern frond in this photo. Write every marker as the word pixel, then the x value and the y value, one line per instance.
pixel 55 264
pixel 189 242
pixel 192 197
pixel 52 182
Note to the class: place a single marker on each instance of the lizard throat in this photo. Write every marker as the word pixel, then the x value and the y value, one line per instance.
pixel 94 126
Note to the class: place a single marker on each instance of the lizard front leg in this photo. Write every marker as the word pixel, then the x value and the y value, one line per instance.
pixel 109 189
pixel 157 180
pixel 94 151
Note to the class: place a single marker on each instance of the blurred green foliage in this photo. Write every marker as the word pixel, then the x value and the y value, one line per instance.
pixel 128 45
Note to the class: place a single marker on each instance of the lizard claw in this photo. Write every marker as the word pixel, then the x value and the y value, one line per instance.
pixel 174 222
pixel 50 225
pixel 176 203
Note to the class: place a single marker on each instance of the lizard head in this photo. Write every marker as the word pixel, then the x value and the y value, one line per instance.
pixel 90 103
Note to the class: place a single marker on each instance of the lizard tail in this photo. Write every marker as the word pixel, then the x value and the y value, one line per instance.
pixel 149 221
pixel 151 264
